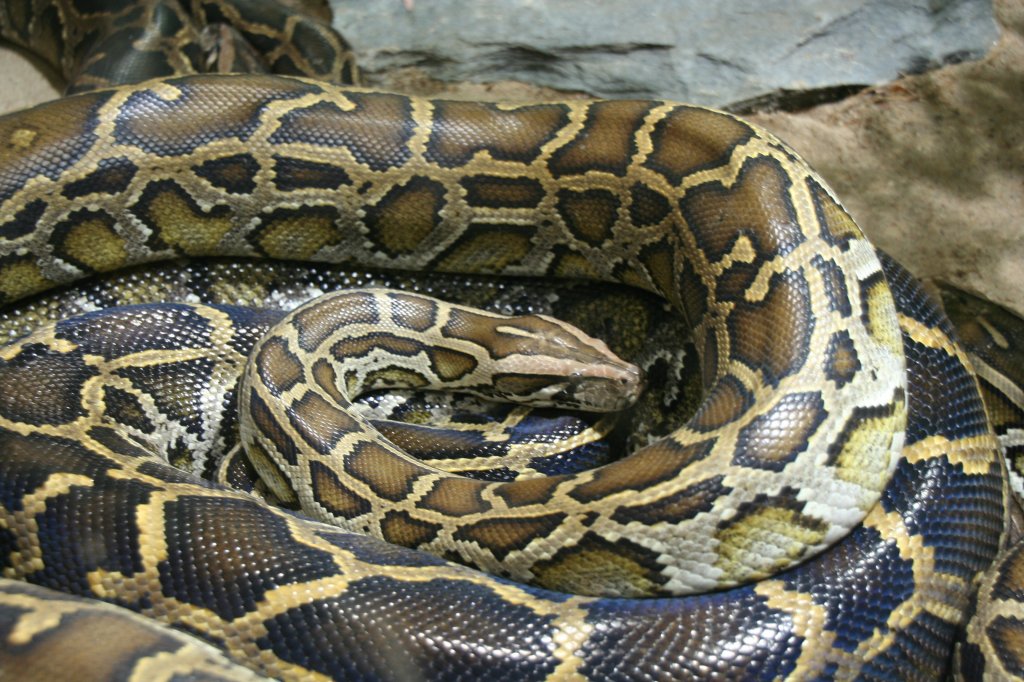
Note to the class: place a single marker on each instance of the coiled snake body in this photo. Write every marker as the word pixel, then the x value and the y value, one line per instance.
pixel 839 487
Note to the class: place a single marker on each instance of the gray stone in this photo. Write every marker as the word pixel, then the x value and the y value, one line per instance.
pixel 715 53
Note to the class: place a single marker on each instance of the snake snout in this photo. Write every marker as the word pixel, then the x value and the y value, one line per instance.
pixel 611 390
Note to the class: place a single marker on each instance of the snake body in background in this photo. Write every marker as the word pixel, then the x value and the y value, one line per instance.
pixel 818 358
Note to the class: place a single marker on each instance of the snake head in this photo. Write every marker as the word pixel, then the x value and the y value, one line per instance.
pixel 558 365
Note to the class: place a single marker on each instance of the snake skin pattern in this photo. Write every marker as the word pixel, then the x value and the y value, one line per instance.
pixel 830 378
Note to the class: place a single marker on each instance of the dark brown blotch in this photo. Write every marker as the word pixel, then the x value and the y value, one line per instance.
pixel 457 497
pixel 757 206
pixel 334 496
pixel 316 323
pixel 589 214
pixel 495 191
pixel 194 114
pixel 265 422
pixel 835 285
pixel 606 142
pixel 401 528
pixel 681 506
pixel 774 335
pixel 234 174
pixel 841 360
pixel 462 129
pixel 389 475
pixel 320 424
pixel 690 139
pixel 41 386
pixel 529 491
pixel 111 176
pixel 376 131
pixel 658 462
pixel 291 175
pixel 778 436
pixel 647 207
pixel 413 312
pixel 502 536
pixel 727 401
pixel 279 369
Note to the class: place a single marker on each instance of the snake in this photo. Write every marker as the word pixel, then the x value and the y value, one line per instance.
pixel 824 513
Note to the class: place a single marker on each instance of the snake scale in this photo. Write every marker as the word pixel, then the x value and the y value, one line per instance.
pixel 823 514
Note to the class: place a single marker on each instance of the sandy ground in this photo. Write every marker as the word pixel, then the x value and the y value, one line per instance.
pixel 931 166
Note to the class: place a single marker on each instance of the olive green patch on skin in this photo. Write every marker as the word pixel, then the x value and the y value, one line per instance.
pixel 406 216
pixel 488 248
pixel 89 238
pixel 179 221
pixel 837 227
pixel 298 235
pixel 868 429
pixel 389 377
pixel 774 522
pixel 451 364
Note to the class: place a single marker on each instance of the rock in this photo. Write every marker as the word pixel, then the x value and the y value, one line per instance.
pixel 715 53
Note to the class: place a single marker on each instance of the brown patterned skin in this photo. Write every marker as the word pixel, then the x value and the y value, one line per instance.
pixel 395 199
pixel 790 308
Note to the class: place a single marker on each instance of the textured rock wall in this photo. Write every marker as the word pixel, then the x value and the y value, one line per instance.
pixel 714 53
